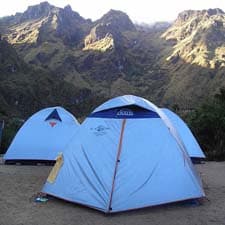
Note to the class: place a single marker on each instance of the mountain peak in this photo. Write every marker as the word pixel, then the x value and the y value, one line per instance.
pixel 117 19
pixel 37 11
pixel 189 14
pixel 107 32
pixel 44 4
pixel 198 33
pixel 114 14
pixel 215 11
pixel 68 8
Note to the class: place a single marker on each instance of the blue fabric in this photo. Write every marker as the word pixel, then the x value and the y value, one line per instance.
pixel 149 165
pixel 131 112
pixel 131 100
pixel 89 162
pixel 39 139
pixel 192 146
pixel 152 170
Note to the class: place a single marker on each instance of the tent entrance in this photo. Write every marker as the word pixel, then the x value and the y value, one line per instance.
pixel 125 112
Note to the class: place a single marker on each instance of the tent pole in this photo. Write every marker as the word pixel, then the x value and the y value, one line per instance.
pixel 117 161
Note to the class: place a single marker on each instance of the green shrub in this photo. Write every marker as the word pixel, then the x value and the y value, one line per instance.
pixel 208 124
pixel 10 130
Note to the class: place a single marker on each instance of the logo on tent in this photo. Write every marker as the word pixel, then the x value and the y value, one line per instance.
pixel 125 112
pixel 52 123
pixel 100 130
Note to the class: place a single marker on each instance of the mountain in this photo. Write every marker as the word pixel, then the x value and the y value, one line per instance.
pixel 108 30
pixel 57 38
pixel 44 22
pixel 196 60
pixel 82 62
pixel 25 89
pixel 199 37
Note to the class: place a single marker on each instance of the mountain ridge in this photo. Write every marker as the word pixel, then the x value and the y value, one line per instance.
pixel 199 37
pixel 112 56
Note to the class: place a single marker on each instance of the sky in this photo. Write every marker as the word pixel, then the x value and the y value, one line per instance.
pixel 147 11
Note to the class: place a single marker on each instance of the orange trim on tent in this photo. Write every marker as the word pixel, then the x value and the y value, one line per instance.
pixel 117 160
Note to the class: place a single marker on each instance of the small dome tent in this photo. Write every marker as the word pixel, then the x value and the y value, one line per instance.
pixel 192 146
pixel 126 155
pixel 42 136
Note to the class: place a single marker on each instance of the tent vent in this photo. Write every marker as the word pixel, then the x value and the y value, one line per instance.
pixel 54 115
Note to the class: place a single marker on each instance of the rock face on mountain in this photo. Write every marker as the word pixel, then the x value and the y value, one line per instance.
pixel 118 20
pixel 36 12
pixel 99 39
pixel 81 63
pixel 37 22
pixel 71 27
pixel 199 37
pixel 108 30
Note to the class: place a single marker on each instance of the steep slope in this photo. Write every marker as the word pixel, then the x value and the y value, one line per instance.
pixel 44 33
pixel 24 89
pixel 38 21
pixel 199 37
pixel 108 30
pixel 182 64
pixel 106 56
pixel 196 60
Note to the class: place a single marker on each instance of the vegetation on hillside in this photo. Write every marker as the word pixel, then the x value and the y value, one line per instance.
pixel 10 129
pixel 198 37
pixel 53 56
pixel 112 56
pixel 208 124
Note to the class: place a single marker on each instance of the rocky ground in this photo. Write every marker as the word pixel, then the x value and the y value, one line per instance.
pixel 20 184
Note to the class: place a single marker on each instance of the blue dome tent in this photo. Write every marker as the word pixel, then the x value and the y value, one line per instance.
pixel 42 136
pixel 192 146
pixel 126 155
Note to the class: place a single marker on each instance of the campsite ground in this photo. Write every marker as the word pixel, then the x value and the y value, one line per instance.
pixel 20 184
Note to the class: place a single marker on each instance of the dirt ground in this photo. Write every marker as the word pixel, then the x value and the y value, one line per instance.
pixel 20 184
